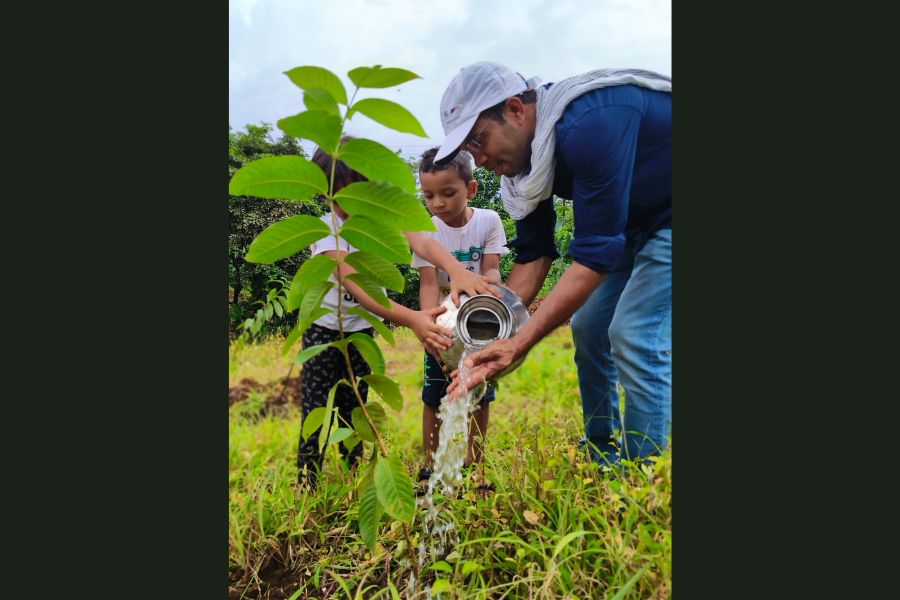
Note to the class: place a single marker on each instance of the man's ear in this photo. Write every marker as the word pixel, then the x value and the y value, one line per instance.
pixel 515 109
pixel 472 188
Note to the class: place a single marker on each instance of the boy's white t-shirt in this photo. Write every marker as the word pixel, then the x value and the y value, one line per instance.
pixel 351 322
pixel 483 234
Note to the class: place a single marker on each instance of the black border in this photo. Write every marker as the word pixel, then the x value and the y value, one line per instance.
pixel 124 122
pixel 130 494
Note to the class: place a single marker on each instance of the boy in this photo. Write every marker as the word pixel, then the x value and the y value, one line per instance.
pixel 476 238
pixel 322 371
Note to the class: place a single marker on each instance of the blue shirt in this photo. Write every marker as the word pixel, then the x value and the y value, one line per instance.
pixel 614 161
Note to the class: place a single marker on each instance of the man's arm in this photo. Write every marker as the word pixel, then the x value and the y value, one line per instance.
pixel 569 293
pixel 535 250
pixel 526 279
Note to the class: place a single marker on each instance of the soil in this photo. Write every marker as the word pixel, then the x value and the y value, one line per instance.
pixel 278 395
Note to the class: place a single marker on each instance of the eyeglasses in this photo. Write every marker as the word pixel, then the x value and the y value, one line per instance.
pixel 473 144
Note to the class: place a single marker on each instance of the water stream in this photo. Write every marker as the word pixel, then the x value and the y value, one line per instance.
pixel 439 533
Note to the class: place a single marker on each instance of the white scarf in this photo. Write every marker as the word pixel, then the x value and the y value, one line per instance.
pixel 522 193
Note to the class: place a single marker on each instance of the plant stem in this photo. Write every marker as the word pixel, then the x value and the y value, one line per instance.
pixel 412 552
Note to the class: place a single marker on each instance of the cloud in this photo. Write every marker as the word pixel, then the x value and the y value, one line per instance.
pixel 552 39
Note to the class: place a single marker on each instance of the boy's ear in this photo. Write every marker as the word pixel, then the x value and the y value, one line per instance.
pixel 472 188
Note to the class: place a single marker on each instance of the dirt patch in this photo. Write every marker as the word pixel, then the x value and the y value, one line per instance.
pixel 274 396
pixel 275 582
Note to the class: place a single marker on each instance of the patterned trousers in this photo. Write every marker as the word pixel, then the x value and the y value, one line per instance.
pixel 319 374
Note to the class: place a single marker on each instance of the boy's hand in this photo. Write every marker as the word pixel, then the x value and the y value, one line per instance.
pixel 432 336
pixel 468 282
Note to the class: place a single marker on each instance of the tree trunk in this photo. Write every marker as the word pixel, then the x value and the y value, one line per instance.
pixel 237 283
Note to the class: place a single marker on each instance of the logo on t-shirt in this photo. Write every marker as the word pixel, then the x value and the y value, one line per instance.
pixel 474 253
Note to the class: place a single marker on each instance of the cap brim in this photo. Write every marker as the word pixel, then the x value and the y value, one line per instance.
pixel 453 140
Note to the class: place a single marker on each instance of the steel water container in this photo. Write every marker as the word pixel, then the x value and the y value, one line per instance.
pixel 479 320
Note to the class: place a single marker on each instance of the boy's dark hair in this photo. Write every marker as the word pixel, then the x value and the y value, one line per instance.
pixel 461 163
pixel 496 111
pixel 343 175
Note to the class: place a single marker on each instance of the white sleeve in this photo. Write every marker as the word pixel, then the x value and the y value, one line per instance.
pixel 495 241
pixel 328 243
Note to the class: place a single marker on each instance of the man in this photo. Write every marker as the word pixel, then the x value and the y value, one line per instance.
pixel 603 140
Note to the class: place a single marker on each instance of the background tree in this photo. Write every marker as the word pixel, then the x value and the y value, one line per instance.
pixel 249 283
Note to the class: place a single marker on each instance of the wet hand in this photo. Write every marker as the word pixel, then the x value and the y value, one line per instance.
pixel 483 365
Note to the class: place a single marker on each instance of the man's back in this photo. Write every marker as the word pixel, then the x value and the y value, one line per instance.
pixel 614 160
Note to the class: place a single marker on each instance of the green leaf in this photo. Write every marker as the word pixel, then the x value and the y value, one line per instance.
pixel 377 77
pixel 361 425
pixel 469 566
pixel 375 322
pixel 370 288
pixel 285 238
pixel 629 584
pixel 310 307
pixel 320 99
pixel 440 586
pixel 566 539
pixel 313 271
pixel 268 311
pixel 369 350
pixel 351 442
pixel 278 309
pixel 329 405
pixel 368 235
pixel 395 489
pixel 442 565
pixel 369 516
pixel 313 421
pixel 307 353
pixel 316 77
pixel 291 176
pixel 313 298
pixel 306 320
pixel 339 435
pixel 377 163
pixel 390 114
pixel 320 127
pixel 341 345
pixel 395 595
pixel 385 203
pixel 386 388
pixel 379 270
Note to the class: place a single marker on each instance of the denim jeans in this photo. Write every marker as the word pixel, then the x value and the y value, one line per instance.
pixel 623 334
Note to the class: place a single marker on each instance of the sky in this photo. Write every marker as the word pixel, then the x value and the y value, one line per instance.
pixel 550 39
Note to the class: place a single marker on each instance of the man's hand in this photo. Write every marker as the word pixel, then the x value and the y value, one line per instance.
pixel 463 280
pixel 485 365
pixel 432 336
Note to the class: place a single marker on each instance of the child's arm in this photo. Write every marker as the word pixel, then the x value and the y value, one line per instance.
pixel 430 334
pixel 429 293
pixel 490 266
pixel 461 279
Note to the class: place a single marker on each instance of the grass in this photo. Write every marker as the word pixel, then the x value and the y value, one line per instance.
pixel 584 536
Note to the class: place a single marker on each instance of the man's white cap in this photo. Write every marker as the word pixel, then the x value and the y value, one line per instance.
pixel 474 89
